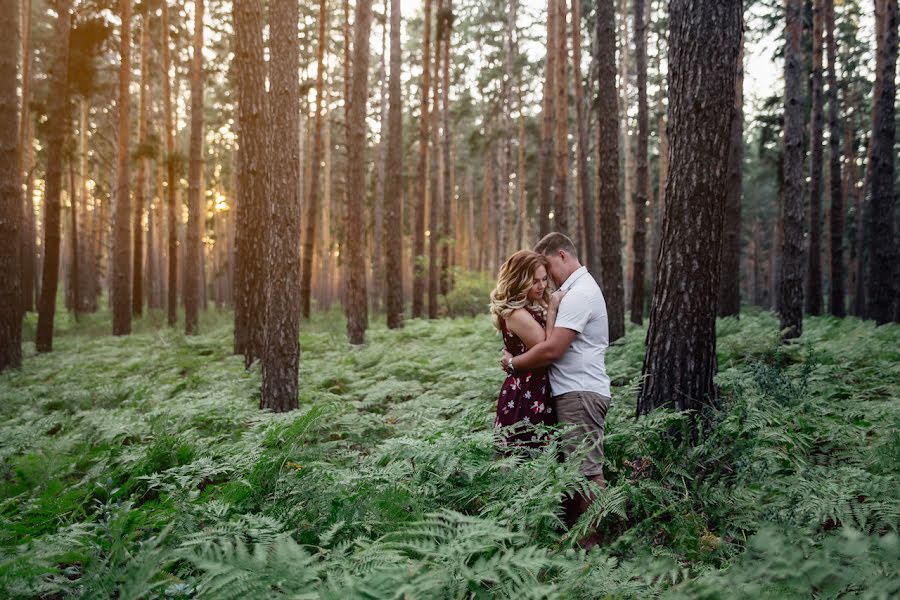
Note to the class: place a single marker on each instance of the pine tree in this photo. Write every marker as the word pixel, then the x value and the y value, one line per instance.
pixel 193 275
pixel 642 171
pixel 836 303
pixel 729 294
pixel 419 273
pixel 172 252
pixel 141 196
pixel 393 238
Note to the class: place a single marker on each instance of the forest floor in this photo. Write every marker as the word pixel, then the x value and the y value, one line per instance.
pixel 141 467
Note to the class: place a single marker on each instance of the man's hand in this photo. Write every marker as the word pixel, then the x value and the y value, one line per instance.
pixel 504 359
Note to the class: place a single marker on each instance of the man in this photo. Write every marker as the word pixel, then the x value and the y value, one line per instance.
pixel 575 353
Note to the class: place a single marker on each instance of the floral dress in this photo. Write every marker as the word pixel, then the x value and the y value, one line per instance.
pixel 524 399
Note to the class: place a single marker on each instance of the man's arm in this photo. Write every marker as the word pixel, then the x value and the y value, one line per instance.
pixel 546 352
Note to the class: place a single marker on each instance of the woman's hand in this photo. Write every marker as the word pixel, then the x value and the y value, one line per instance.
pixel 555 298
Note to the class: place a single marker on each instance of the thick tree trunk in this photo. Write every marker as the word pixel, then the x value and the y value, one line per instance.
pixel 58 120
pixel 121 252
pixel 608 170
pixel 419 273
pixel 357 299
pixel 642 171
pixel 660 205
pixel 790 282
pixel 836 303
pixel 814 254
pixel 193 281
pixel 880 284
pixel 548 129
pixel 729 294
pixel 10 194
pixel 282 347
pixel 680 362
pixel 141 196
pixel 561 106
pixel 393 221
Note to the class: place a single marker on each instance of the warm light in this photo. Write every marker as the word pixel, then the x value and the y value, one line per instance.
pixel 427 233
pixel 221 204
pixel 551 215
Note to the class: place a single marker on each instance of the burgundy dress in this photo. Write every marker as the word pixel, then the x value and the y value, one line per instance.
pixel 524 399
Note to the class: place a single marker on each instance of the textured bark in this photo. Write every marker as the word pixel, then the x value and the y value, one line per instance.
pixel 58 124
pixel 608 170
pixel 836 303
pixel 312 201
pixel 282 347
pixel 27 233
pixel 880 292
pixel 583 198
pixel 419 273
pixel 393 221
pixel 193 275
pixel 121 246
pixel 729 295
pixel 10 194
pixel 660 204
pixel 814 255
pixel 561 106
pixel 627 232
pixel 140 196
pixel 548 130
pixel 171 184
pixel 357 299
pixel 790 282
pixel 378 277
pixel 680 361
pixel 447 234
pixel 436 195
pixel 642 170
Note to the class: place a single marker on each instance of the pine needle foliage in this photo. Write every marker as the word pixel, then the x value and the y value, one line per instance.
pixel 140 467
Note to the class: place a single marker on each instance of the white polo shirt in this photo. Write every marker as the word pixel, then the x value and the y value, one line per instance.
pixel 582 368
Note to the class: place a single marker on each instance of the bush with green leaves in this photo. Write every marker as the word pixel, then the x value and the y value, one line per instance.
pixel 141 467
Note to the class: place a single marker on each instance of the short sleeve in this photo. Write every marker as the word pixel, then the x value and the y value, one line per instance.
pixel 573 313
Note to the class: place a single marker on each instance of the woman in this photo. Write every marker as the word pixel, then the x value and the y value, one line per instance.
pixel 524 311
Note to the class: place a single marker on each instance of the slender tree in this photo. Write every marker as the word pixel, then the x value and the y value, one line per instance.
pixel 642 171
pixel 836 303
pixel 25 146
pixel 608 169
pixel 121 259
pixel 548 130
pixel 377 252
pixel 419 273
pixel 357 300
pixel 880 292
pixel 282 346
pixel 393 237
pixel 436 194
pixel 58 119
pixel 583 198
pixel 561 105
pixel 729 302
pixel 143 173
pixel 447 162
pixel 172 251
pixel 680 362
pixel 814 254
pixel 505 130
pixel 10 194
pixel 790 282
pixel 193 258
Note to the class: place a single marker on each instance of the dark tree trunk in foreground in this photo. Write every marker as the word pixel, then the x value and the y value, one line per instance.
pixel 171 183
pixel 790 283
pixel 312 202
pixel 680 361
pixel 814 254
pixel 121 246
pixel 393 238
pixel 193 259
pixel 420 277
pixel 58 124
pixel 836 303
pixel 253 183
pixel 357 299
pixel 880 293
pixel 10 194
pixel 729 302
pixel 608 170
pixel 282 348
pixel 642 172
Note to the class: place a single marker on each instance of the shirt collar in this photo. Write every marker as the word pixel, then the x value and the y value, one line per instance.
pixel 575 276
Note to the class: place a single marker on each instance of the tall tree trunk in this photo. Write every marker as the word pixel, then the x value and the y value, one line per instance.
pixel 121 246
pixel 193 257
pixel 419 273
pixel 282 346
pixel 74 255
pixel 505 134
pixel 58 120
pixel 436 196
pixel 790 282
pixel 447 162
pixel 140 196
pixel 561 105
pixel 172 222
pixel 522 211
pixel 660 204
pixel 854 199
pixel 608 169
pixel 814 255
pixel 312 202
pixel 729 295
pixel 393 221
pixel 357 299
pixel 836 304
pixel 548 129
pixel 584 199
pixel 378 274
pixel 627 150
pixel 26 254
pixel 10 194
pixel 880 292
pixel 680 362
pixel 642 172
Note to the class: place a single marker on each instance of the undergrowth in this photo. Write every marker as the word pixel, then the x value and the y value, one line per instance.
pixel 141 467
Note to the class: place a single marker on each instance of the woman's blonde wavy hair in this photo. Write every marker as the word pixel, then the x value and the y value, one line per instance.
pixel 515 279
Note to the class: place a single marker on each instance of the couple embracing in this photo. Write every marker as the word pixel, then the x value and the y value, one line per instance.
pixel 554 347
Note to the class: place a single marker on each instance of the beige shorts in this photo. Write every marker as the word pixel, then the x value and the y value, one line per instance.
pixel 587 411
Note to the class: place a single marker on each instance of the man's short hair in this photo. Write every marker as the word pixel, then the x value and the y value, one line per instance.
pixel 554 242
